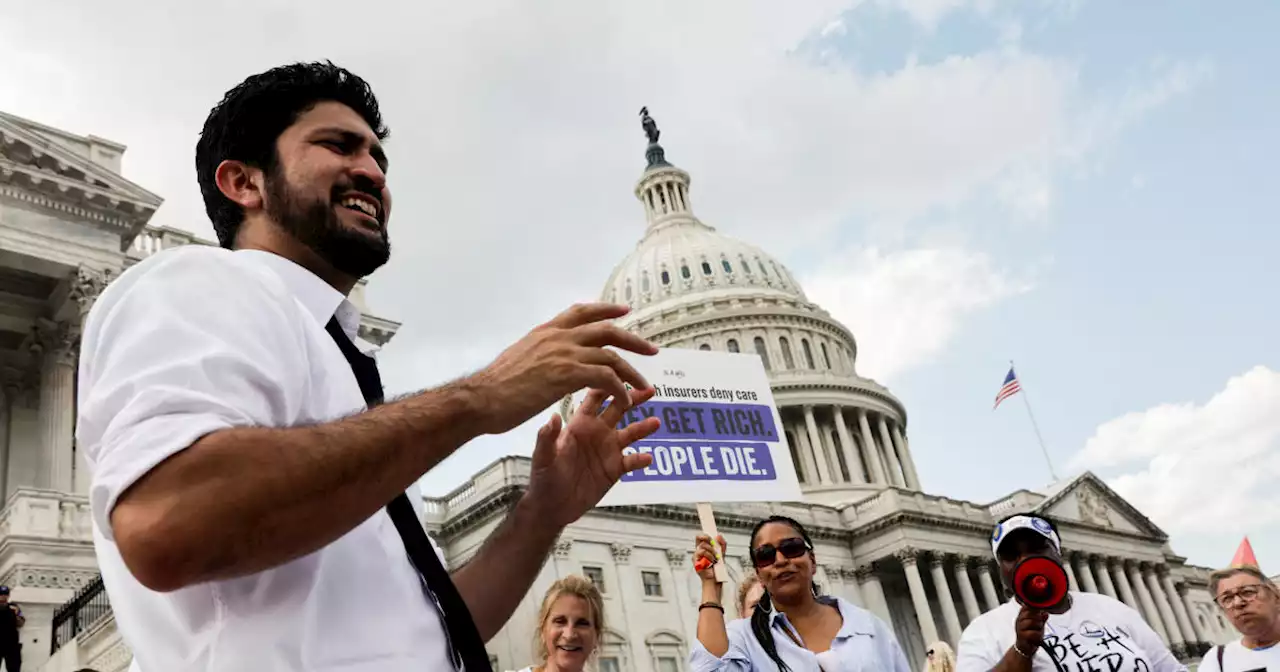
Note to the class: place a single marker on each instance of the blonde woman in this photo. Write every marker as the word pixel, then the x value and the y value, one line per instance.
pixel 940 658
pixel 569 626
pixel 749 594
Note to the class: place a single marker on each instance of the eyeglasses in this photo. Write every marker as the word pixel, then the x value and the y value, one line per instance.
pixel 930 653
pixel 792 548
pixel 1247 593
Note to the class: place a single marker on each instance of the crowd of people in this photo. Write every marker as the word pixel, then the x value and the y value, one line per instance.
pixel 781 619
pixel 248 473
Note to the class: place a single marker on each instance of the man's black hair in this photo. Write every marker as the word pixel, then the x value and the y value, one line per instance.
pixel 760 615
pixel 245 125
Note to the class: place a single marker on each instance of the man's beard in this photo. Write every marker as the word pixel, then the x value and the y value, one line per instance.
pixel 315 224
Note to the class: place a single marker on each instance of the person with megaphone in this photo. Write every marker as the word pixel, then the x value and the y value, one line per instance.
pixel 1047 627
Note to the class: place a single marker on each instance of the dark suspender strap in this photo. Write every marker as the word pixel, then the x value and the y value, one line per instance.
pixel 466 648
pixel 1221 650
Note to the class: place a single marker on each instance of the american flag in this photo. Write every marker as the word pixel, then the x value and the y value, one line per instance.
pixel 1009 388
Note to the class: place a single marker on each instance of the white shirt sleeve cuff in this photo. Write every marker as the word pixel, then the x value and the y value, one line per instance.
pixel 149 443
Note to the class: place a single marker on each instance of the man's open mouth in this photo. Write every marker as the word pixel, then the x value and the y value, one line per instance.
pixel 362 204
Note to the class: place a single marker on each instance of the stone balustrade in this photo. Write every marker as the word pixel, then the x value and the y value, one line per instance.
pixel 46 515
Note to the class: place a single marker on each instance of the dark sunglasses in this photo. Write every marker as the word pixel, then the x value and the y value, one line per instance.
pixel 930 652
pixel 763 556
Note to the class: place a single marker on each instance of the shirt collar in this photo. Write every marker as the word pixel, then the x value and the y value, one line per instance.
pixel 856 621
pixel 320 299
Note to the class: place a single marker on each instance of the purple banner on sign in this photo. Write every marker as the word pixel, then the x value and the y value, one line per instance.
pixel 698 420
pixel 703 461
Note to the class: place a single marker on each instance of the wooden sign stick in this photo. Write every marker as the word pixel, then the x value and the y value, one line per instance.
pixel 708 520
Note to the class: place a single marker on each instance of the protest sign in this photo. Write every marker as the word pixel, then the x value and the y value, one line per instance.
pixel 721 438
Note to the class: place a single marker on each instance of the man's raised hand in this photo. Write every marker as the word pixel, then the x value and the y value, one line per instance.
pixel 560 357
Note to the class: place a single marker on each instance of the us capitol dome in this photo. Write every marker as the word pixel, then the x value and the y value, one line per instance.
pixel 690 286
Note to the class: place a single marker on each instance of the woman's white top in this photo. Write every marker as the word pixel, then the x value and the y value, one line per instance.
pixel 864 644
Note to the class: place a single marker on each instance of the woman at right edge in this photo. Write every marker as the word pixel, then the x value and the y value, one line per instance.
pixel 793 628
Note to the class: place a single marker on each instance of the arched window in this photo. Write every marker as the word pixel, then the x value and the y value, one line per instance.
pixel 746 267
pixel 788 360
pixel 684 272
pixel 763 352
pixel 724 263
pixel 733 345
pixel 704 346
pixel 808 353
pixel 763 271
pixel 612 649
pixel 666 649
pixel 825 359
pixel 706 268
pixel 628 290
pixel 644 282
pixel 666 277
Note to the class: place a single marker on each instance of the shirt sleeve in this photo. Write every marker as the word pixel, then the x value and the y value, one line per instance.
pixel 186 346
pixel 977 650
pixel 736 659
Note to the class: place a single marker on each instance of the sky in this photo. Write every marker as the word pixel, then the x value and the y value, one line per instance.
pixel 1081 187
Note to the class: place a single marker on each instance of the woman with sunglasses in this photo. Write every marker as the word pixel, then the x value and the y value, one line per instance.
pixel 793 628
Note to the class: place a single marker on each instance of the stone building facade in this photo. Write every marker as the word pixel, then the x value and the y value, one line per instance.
pixel 69 222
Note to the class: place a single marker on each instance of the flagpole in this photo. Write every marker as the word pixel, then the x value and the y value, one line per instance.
pixel 1053 474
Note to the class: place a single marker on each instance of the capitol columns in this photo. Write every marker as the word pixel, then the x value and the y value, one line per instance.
pixel 891 456
pixel 937 567
pixel 1145 598
pixel 1072 583
pixel 1122 583
pixel 853 592
pixel 910 565
pixel 872 591
pixel 988 585
pixel 55 344
pixel 1201 636
pixel 1189 635
pixel 1162 606
pixel 847 445
pixel 1104 577
pixel 86 284
pixel 870 450
pixel 815 444
pixel 967 596
pixel 908 462
pixel 11 391
pixel 1086 572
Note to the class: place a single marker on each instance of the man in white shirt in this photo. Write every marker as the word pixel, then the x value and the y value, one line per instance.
pixel 250 491
pixel 1083 631
pixel 1252 603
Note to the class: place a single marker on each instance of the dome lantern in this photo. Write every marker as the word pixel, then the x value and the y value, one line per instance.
pixel 664 188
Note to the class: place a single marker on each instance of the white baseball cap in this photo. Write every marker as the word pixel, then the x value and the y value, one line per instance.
pixel 1034 523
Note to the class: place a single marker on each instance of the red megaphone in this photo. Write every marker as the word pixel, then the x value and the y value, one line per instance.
pixel 1039 582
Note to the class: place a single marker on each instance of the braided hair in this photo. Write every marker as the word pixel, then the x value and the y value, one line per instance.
pixel 760 615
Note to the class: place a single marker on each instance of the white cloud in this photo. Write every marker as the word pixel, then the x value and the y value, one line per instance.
pixel 1199 468
pixel 515 139
pixel 905 306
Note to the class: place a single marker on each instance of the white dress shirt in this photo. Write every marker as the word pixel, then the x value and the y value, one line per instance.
pixel 198 339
